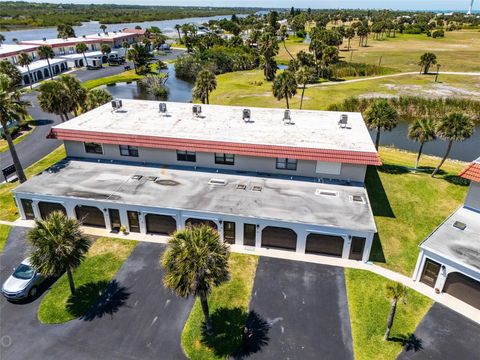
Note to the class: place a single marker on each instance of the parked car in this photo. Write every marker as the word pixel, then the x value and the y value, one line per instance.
pixel 24 282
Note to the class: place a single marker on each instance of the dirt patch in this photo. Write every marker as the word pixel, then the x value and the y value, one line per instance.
pixel 433 91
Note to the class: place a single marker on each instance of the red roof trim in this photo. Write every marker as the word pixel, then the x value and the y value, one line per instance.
pixel 472 172
pixel 344 156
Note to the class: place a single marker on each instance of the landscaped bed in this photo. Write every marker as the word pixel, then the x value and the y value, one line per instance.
pixel 92 277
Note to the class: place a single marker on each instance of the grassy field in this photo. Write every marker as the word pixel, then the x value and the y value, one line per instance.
pixel 368 314
pixel 407 206
pixel 128 75
pixel 4 231
pixel 91 278
pixel 8 210
pixel 228 309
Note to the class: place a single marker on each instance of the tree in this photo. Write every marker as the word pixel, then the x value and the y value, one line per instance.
pixel 139 55
pixel 125 46
pixel 11 108
pixel 453 127
pixel 82 48
pixel 282 33
pixel 103 27
pixel 195 262
pixel 45 52
pixel 426 60
pixel 2 39
pixel 25 60
pixel 96 98
pixel 57 246
pixel 65 31
pixel 54 98
pixel 178 27
pixel 7 68
pixel 205 83
pixel 349 34
pixel 284 86
pixel 304 75
pixel 105 49
pixel 395 293
pixel 422 131
pixel 381 116
pixel 268 48
pixel 76 91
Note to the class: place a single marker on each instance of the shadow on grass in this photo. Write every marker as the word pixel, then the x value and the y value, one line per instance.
pixel 456 180
pixel 394 169
pixel 409 342
pixel 228 325
pixel 376 193
pixel 376 252
pixel 95 300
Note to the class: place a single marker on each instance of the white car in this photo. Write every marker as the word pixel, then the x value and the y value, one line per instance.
pixel 23 282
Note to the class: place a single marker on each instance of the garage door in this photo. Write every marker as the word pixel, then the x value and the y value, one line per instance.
pixel 463 288
pixel 324 244
pixel 90 216
pixel 197 222
pixel 279 238
pixel 46 208
pixel 160 224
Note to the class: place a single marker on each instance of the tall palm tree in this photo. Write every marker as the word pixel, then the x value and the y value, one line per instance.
pixel 394 292
pixel 54 98
pixel 25 60
pixel 11 108
pixel 453 127
pixel 349 34
pixel 178 27
pixel 105 49
pixel 195 262
pixel 282 33
pixel 139 55
pixel 96 98
pixel 426 60
pixel 58 246
pixel 304 76
pixel 284 86
pixel 205 83
pixel 76 91
pixel 45 52
pixel 422 131
pixel 82 48
pixel 268 48
pixel 381 116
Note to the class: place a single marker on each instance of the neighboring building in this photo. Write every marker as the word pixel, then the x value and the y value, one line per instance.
pixel 10 52
pixel 94 58
pixel 39 70
pixel 66 46
pixel 449 259
pixel 116 38
pixel 261 177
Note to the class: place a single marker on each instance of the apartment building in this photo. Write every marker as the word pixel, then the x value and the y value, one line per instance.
pixel 291 180
pixel 10 52
pixel 65 46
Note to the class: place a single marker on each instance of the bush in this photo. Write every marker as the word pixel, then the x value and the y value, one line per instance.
pixel 343 69
pixel 438 33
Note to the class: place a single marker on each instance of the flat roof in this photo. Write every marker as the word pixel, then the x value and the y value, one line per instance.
pixel 56 42
pixel 14 49
pixel 187 189
pixel 460 246
pixel 310 130
pixel 87 54
pixel 40 64
pixel 111 35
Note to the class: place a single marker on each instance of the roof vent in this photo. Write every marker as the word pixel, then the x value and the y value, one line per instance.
pixel 98 34
pixel 136 177
pixel 459 225
pixel 241 187
pixel 287 117
pixel 220 182
pixel 343 122
pixel 197 110
pixel 246 115
pixel 357 198
pixel 44 39
pixel 116 104
pixel 256 188
pixel 326 192
pixel 151 178
pixel 162 108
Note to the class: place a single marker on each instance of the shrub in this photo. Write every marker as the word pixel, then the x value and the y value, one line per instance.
pixel 343 69
pixel 438 33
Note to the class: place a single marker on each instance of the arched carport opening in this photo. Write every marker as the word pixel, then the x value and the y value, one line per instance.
pixel 45 72
pixel 80 62
pixel 64 67
pixel 56 69
pixel 160 224
pixel 279 238
pixel 26 79
pixel 198 222
pixel 39 75
pixel 463 288
pixel 90 216
pixel 46 208
pixel 324 244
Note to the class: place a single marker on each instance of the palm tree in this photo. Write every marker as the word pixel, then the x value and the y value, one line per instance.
pixel 178 27
pixel 395 293
pixel 195 262
pixel 422 131
pixel 25 60
pixel 282 33
pixel 2 39
pixel 76 91
pixel 46 52
pixel 453 127
pixel 304 75
pixel 11 108
pixel 205 83
pixel 381 116
pixel 105 49
pixel 139 55
pixel 9 69
pixel 349 34
pixel 103 27
pixel 426 60
pixel 58 246
pixel 82 48
pixel 96 98
pixel 54 98
pixel 268 48
pixel 284 86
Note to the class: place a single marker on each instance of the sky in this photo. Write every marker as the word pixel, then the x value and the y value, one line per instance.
pixel 323 4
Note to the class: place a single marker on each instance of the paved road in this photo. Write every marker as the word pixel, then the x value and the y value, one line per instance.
pixel 140 320
pixel 307 309
pixel 444 335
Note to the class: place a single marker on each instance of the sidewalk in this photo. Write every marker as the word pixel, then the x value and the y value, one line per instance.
pixel 443 298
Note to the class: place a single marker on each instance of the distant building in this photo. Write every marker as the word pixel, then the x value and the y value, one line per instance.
pixel 10 52
pixel 67 45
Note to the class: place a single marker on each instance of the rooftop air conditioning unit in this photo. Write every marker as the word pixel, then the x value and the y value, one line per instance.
pixel 162 108
pixel 343 122
pixel 246 115
pixel 44 39
pixel 287 117
pixel 197 110
pixel 116 104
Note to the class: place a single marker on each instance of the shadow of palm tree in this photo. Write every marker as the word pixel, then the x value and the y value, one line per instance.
pixel 259 328
pixel 409 342
pixel 96 299
pixel 456 180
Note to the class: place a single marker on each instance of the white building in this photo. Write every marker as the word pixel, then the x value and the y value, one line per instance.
pixel 261 177
pixel 10 52
pixel 449 259
pixel 40 70
pixel 65 46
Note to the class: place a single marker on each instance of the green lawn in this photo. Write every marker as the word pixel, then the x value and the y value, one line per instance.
pixel 368 315
pixel 102 262
pixel 128 75
pixel 8 210
pixel 4 231
pixel 229 310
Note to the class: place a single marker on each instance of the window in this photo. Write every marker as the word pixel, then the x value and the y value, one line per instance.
pixel 286 164
pixel 93 148
pixel 127 150
pixel 224 159
pixel 186 156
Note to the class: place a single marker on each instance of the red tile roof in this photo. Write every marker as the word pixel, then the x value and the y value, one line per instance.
pixel 472 172
pixel 134 31
pixel 344 156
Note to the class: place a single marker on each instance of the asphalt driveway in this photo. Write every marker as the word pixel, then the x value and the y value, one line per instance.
pixel 444 334
pixel 306 308
pixel 137 319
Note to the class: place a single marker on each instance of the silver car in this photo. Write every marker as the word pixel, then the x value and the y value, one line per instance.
pixel 23 283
